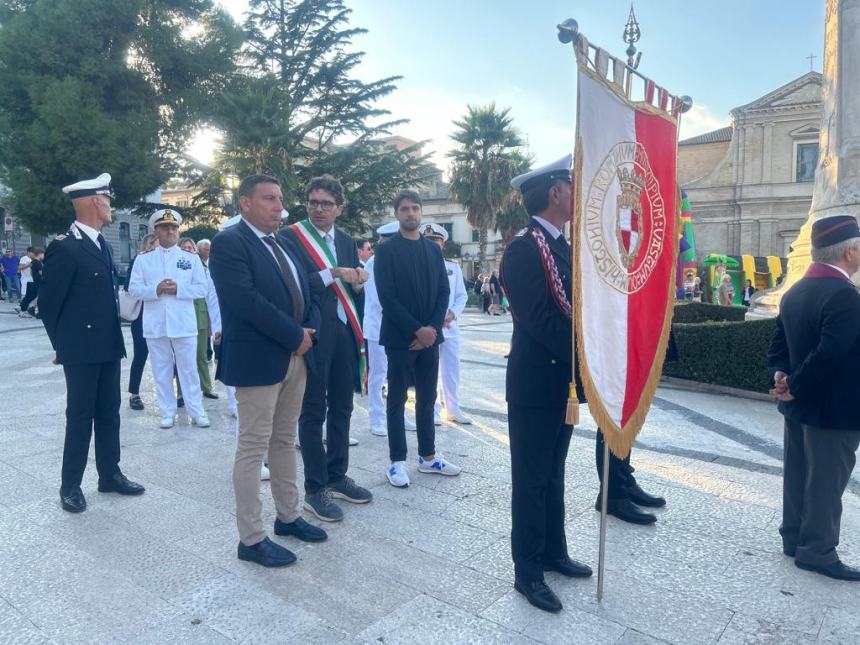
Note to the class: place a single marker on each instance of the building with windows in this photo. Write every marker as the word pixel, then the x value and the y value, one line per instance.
pixel 750 184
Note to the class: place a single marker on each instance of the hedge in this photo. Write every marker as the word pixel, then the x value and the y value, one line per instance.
pixel 699 312
pixel 723 353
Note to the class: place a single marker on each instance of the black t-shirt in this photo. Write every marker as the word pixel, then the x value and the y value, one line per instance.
pixel 36 271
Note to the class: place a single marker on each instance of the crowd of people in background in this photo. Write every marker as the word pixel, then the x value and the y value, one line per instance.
pixel 21 278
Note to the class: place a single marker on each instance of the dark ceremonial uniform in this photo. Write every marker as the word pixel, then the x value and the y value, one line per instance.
pixel 538 375
pixel 78 305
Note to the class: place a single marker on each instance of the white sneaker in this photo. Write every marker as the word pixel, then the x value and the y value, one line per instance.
pixel 379 431
pixel 353 441
pixel 264 473
pixel 437 419
pixel 438 466
pixel 459 417
pixel 201 422
pixel 167 422
pixel 409 424
pixel 397 475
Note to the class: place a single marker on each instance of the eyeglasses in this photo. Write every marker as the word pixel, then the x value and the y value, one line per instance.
pixel 326 205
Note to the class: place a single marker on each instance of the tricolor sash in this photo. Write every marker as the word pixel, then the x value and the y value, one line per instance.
pixel 316 247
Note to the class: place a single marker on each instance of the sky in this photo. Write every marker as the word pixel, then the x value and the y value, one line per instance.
pixel 454 53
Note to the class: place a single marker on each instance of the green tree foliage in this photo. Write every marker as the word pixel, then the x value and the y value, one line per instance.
pixel 487 157
pixel 298 111
pixel 92 86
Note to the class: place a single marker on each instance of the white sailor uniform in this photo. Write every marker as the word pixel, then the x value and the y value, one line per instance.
pixel 449 351
pixel 170 323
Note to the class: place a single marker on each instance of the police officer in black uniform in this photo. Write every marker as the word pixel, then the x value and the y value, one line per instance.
pixel 536 273
pixel 78 304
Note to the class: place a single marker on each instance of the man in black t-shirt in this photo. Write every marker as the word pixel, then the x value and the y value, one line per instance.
pixel 28 309
pixel 412 284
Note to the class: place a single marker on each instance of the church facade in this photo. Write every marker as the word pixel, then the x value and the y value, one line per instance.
pixel 750 184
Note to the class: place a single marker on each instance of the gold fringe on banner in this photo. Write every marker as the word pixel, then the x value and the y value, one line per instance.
pixel 619 440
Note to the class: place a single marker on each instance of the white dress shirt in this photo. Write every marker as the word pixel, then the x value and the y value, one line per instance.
pixel 90 232
pixel 551 229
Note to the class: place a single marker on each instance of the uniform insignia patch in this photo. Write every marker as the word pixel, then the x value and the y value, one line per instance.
pixel 76 232
pixel 521 232
pixel 62 237
pixel 183 264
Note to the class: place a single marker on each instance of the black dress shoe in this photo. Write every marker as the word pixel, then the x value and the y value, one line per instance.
pixel 73 500
pixel 539 594
pixel 301 529
pixel 121 484
pixel 135 403
pixel 789 550
pixel 838 570
pixel 641 498
pixel 568 567
pixel 627 511
pixel 266 553
pixel 210 395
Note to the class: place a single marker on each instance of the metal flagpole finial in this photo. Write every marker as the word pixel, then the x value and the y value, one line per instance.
pixel 568 31
pixel 632 33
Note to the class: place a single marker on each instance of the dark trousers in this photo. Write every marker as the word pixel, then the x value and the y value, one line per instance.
pixel 817 466
pixel 30 295
pixel 539 442
pixel 328 398
pixel 620 471
pixel 92 405
pixel 141 351
pixel 405 368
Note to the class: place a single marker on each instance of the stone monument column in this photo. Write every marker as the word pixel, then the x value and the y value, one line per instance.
pixel 837 177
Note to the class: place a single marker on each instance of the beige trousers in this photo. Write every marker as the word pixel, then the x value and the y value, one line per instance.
pixel 268 420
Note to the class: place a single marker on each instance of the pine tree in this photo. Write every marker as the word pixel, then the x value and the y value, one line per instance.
pixel 92 86
pixel 298 111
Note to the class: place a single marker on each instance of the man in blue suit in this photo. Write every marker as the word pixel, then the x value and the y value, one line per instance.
pixel 269 318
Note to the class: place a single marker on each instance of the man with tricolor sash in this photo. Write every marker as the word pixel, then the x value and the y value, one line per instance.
pixel 331 260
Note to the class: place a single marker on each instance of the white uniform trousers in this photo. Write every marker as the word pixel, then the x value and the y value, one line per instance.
pixel 376 374
pixel 162 353
pixel 449 375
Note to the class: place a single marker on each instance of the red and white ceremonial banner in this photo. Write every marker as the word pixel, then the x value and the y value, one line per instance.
pixel 626 240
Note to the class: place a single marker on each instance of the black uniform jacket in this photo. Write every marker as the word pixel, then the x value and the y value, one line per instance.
pixel 539 364
pixel 259 332
pixel 406 305
pixel 347 256
pixel 77 302
pixel 817 343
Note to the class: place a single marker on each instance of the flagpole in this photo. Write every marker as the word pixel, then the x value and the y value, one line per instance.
pixel 604 502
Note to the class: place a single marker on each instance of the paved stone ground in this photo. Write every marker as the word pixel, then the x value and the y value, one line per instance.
pixel 423 565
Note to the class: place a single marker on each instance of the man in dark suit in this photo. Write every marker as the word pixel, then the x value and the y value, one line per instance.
pixel 813 358
pixel 78 305
pixel 330 259
pixel 269 317
pixel 536 274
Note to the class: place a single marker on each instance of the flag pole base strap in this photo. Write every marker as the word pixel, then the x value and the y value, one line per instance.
pixel 604 502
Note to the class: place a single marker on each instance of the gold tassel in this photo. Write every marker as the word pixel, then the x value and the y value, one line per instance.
pixel 571 417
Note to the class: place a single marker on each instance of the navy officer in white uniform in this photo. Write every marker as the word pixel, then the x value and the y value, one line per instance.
pixel 168 280
pixel 78 305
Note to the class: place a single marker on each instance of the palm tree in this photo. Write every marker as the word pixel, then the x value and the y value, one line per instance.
pixel 487 158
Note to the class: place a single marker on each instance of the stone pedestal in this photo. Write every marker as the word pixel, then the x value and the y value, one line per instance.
pixel 837 178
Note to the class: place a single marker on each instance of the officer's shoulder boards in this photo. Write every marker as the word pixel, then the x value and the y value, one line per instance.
pixel 522 231
pixel 149 250
pixel 60 238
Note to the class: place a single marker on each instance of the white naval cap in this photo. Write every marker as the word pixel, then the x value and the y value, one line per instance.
pixel 556 170
pixel 388 229
pixel 98 186
pixel 435 231
pixel 164 216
